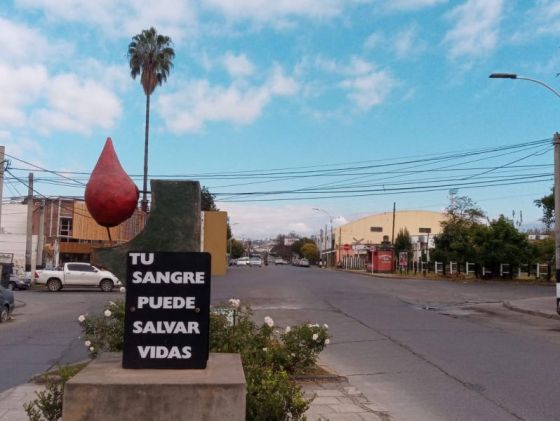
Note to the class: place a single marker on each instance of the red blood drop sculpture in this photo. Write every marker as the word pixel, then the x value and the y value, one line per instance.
pixel 111 195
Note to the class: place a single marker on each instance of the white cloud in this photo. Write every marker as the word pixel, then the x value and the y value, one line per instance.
pixel 542 19
pixel 262 221
pixel 24 45
pixel 77 106
pixel 20 87
pixel 367 85
pixel 373 40
pixel 413 4
pixel 370 89
pixel 476 29
pixel 200 102
pixel 267 10
pixel 175 18
pixel 407 44
pixel 238 65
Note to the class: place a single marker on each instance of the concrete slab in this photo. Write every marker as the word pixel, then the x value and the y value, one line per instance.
pixel 105 391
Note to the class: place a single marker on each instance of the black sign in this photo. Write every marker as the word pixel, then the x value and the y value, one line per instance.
pixel 167 312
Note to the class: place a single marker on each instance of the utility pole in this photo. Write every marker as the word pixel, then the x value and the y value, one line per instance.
pixel 41 237
pixel 393 233
pixel 29 237
pixel 2 158
pixel 556 141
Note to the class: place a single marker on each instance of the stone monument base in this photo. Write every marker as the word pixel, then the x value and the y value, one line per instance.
pixel 105 391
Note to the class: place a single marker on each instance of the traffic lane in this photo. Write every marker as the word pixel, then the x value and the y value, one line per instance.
pixel 45 331
pixel 452 360
pixel 422 364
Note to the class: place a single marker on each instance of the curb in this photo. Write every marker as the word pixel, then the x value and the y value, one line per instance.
pixel 510 306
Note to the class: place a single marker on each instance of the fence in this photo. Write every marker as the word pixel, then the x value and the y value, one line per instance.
pixel 468 269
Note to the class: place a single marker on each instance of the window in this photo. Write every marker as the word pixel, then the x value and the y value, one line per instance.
pixel 65 227
pixel 80 267
pixel 376 229
pixel 425 230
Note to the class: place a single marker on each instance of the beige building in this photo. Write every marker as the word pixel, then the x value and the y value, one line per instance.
pixel 354 237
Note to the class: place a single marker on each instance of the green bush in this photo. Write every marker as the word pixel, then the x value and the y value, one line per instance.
pixel 269 355
pixel 104 332
pixel 48 404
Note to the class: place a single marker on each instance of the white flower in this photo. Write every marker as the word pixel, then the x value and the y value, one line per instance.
pixel 288 329
pixel 123 289
pixel 112 303
pixel 233 302
pixel 309 325
pixel 87 343
pixel 265 349
pixel 82 318
pixel 107 313
pixel 316 325
pixel 326 326
pixel 91 348
pixel 292 354
pixel 315 336
pixel 268 321
pixel 327 341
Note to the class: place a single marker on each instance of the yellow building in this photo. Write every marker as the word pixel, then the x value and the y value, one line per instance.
pixel 354 237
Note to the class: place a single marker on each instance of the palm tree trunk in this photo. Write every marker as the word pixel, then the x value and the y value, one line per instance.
pixel 145 186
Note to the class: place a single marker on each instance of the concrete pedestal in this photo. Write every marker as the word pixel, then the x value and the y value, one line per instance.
pixel 105 391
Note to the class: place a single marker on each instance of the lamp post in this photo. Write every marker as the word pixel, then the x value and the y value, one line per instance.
pixel 330 222
pixel 556 142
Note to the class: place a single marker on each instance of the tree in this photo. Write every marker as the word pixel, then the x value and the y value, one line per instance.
pixel 460 231
pixel 547 205
pixel 464 209
pixel 310 252
pixel 237 249
pixel 207 200
pixel 503 243
pixel 403 242
pixel 280 248
pixel 151 56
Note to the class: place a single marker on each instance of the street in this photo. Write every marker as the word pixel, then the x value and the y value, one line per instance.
pixel 420 349
pixel 415 346
pixel 45 331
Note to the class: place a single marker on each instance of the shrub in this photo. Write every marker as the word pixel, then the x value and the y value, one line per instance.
pixel 269 355
pixel 104 332
pixel 48 404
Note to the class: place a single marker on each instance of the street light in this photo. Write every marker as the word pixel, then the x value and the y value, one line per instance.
pixel 556 142
pixel 331 224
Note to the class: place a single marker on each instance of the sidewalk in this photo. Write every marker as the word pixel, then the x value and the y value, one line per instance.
pixel 338 400
pixel 540 306
pixel 335 400
pixel 12 400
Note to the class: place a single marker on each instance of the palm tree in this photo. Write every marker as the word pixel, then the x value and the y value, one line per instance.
pixel 151 56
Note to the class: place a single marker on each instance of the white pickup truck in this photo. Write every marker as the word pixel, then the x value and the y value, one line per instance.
pixel 77 275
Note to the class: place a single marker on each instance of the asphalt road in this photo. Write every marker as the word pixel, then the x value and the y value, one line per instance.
pixel 421 349
pixel 45 331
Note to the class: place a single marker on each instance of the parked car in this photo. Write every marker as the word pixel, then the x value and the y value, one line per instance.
pixel 19 282
pixel 6 304
pixel 242 261
pixel 255 261
pixel 303 263
pixel 77 275
pixel 232 262
pixel 280 261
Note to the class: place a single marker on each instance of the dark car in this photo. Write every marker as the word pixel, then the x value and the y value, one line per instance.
pixel 19 282
pixel 6 303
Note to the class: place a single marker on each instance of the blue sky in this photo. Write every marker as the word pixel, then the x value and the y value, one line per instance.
pixel 294 85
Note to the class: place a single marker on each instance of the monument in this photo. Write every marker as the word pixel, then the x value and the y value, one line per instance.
pixel 165 371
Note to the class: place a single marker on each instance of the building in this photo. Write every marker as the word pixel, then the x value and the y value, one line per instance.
pixel 69 233
pixel 353 239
